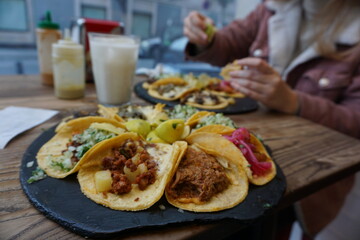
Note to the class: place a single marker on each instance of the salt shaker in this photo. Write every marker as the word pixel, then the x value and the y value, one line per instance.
pixel 68 66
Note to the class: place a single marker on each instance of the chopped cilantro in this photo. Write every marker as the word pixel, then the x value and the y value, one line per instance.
pixel 36 175
pixel 60 166
pixel 125 153
pixel 181 112
pixel 218 118
pixel 266 205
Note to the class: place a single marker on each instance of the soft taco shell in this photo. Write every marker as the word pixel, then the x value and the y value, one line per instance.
pixel 261 180
pixel 195 118
pixel 167 80
pixel 153 91
pixel 225 94
pixel 58 143
pixel 256 180
pixel 215 128
pixel 236 191
pixel 136 199
pixel 225 71
pixel 223 103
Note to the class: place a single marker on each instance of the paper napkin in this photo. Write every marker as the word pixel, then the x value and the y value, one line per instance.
pixel 15 120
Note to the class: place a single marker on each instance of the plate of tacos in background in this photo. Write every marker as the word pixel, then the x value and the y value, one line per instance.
pixel 202 91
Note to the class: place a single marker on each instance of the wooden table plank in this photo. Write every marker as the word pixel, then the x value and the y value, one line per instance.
pixel 311 157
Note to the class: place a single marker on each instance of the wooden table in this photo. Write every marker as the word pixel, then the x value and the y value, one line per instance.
pixel 311 157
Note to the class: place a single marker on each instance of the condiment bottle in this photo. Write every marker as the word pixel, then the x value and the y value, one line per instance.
pixel 47 33
pixel 68 66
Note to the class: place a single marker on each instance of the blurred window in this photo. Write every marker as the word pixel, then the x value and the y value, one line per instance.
pixel 13 15
pixel 141 24
pixel 89 11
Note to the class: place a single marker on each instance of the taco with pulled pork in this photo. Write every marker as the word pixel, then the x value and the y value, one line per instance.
pixel 207 178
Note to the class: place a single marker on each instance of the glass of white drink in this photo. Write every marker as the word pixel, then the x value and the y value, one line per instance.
pixel 113 60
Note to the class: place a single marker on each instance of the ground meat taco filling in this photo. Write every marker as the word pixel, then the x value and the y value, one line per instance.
pixel 131 164
pixel 199 177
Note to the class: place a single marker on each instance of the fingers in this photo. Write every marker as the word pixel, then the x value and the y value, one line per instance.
pixel 256 63
pixel 249 74
pixel 246 91
pixel 194 28
pixel 252 86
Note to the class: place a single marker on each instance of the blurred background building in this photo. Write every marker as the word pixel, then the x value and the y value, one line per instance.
pixel 159 23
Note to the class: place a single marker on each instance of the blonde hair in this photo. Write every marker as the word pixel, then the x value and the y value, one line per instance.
pixel 335 15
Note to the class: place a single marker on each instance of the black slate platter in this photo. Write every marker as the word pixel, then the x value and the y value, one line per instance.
pixel 241 105
pixel 62 201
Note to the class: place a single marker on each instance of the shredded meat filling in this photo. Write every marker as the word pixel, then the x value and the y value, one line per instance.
pixel 123 157
pixel 199 175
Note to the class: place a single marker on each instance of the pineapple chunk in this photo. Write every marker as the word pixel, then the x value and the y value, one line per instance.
pixel 103 181
pixel 132 175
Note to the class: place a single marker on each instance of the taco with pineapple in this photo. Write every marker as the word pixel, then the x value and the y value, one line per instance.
pixel 127 173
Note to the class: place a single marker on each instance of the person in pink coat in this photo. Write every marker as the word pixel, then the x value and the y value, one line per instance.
pixel 299 57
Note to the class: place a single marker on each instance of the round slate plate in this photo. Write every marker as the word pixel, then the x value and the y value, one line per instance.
pixel 62 201
pixel 241 105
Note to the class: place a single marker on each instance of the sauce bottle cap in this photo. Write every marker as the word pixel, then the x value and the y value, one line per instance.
pixel 47 22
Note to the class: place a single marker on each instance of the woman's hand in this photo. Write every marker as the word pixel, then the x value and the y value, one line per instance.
pixel 194 29
pixel 261 82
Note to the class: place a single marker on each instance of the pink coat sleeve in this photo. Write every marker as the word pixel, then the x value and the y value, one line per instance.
pixel 231 42
pixel 343 116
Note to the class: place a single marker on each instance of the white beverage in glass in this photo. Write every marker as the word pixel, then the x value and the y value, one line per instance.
pixel 113 60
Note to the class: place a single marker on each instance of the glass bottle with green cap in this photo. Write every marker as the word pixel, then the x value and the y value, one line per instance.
pixel 47 33
pixel 69 69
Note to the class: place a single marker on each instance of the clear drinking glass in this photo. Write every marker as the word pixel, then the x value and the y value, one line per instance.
pixel 114 59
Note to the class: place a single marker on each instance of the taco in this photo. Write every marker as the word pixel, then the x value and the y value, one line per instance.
pixel 63 154
pixel 208 178
pixel 206 100
pixel 225 71
pixel 196 117
pixel 257 163
pixel 154 114
pixel 169 89
pixel 224 88
pixel 127 173
pixel 215 128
